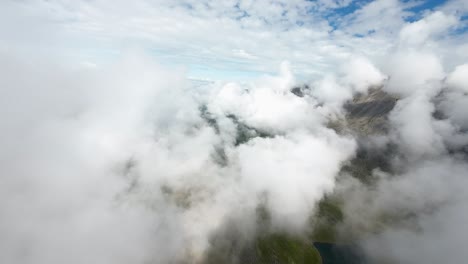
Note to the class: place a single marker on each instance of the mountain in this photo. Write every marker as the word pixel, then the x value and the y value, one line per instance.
pixel 366 115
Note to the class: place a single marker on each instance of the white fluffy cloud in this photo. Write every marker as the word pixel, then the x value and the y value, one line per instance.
pixel 108 158
pixel 296 171
pixel 459 78
pixel 118 165
pixel 418 32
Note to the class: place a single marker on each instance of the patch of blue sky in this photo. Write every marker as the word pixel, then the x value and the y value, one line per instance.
pixel 333 15
pixel 460 30
pixel 423 5
pixel 418 8
pixel 462 27
pixel 351 8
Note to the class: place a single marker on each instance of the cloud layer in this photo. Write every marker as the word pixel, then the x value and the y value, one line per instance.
pixel 110 157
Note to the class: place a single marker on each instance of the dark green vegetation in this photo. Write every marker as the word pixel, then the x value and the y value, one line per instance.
pixel 267 249
pixel 326 221
pixel 277 247
pixel 283 249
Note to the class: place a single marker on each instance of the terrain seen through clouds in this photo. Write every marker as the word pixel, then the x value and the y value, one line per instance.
pixel 234 131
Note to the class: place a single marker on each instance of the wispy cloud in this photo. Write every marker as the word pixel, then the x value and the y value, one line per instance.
pixel 315 36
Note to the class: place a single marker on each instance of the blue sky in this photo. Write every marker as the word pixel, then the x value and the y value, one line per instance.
pixel 231 39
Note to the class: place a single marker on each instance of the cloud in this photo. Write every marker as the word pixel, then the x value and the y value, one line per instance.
pixel 65 135
pixel 458 78
pixel 296 171
pixel 418 32
pixel 414 207
pixel 432 189
pixel 412 71
pixel 309 34
pixel 129 162
pixel 120 164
